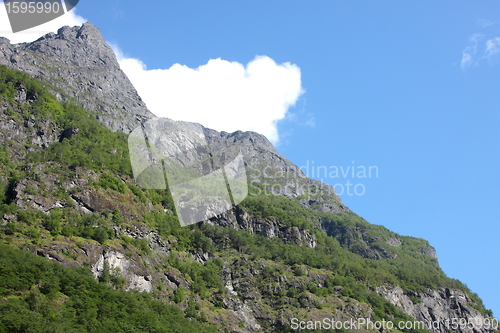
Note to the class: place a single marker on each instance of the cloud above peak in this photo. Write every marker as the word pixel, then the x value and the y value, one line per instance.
pixel 223 95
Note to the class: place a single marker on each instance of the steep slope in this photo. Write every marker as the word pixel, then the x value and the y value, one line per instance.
pixel 68 195
pixel 42 296
pixel 81 67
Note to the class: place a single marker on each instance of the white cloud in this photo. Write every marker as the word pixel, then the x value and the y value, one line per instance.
pixel 476 52
pixel 483 23
pixel 223 95
pixel 492 47
pixel 311 122
pixel 466 60
pixel 29 35
pixel 470 51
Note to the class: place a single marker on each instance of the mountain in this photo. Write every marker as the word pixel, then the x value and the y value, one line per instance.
pixel 98 84
pixel 291 249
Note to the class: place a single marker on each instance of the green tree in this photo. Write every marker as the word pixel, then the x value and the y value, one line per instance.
pixel 179 295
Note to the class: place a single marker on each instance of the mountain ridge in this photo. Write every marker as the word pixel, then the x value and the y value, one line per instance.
pixel 123 110
pixel 276 250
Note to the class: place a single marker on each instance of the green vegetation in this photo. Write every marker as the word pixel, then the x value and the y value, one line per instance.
pixel 41 296
pixel 60 222
pixel 94 146
pixel 343 252
pixel 42 103
pixel 204 277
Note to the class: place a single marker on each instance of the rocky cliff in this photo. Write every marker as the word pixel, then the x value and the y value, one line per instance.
pixel 442 310
pixel 80 66
pixel 291 250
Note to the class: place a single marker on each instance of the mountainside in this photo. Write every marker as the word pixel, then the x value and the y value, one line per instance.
pixel 81 67
pixel 290 250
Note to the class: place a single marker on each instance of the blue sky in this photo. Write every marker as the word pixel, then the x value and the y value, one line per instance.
pixel 409 87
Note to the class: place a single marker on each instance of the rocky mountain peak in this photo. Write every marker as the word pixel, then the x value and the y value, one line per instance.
pixel 87 39
pixel 79 65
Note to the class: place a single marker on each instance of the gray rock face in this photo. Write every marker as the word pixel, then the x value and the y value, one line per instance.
pixel 444 310
pixel 240 219
pixel 394 242
pixel 123 267
pixel 275 173
pixel 81 67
